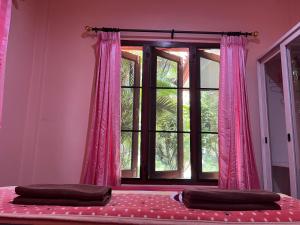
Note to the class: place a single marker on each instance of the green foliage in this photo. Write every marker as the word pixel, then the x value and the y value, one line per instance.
pixel 127 71
pixel 126 144
pixel 166 151
pixel 166 119
pixel 209 119
pixel 166 73
pixel 166 116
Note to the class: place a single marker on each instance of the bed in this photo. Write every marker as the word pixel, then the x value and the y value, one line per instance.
pixel 141 207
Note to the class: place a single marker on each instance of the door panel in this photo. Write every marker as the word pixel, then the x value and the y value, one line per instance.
pixel 292 66
pixel 277 126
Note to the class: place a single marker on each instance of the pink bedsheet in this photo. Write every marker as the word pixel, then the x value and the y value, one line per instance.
pixel 145 207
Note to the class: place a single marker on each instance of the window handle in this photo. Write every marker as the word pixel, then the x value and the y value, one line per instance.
pixel 289 137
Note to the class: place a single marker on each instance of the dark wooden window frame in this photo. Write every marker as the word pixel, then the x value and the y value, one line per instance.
pixel 146 176
pixel 132 172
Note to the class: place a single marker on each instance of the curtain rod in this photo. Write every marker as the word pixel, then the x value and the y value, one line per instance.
pixel 172 32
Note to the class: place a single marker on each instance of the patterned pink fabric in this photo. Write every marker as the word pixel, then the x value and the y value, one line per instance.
pixel 102 160
pixel 5 12
pixel 236 159
pixel 147 207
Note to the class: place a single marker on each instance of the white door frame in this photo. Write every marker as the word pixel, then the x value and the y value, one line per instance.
pixel 293 147
pixel 264 124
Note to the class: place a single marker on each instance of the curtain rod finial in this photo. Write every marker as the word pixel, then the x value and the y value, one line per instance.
pixel 255 33
pixel 88 28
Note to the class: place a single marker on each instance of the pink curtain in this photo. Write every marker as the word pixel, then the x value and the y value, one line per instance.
pixel 102 160
pixel 237 168
pixel 5 11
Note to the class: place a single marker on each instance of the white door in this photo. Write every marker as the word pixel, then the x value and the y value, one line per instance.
pixel 290 52
pixel 274 143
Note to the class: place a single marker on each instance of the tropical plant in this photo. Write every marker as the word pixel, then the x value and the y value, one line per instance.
pixel 166 120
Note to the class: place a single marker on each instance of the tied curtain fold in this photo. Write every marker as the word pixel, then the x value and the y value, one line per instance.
pixel 102 159
pixel 237 168
pixel 5 14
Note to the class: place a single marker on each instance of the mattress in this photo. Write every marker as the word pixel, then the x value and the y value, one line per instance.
pixel 141 207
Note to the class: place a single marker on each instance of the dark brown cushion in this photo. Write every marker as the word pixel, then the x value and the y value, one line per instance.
pixel 195 194
pixel 61 202
pixel 65 191
pixel 231 207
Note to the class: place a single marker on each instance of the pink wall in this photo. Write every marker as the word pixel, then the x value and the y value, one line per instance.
pixel 62 70
pixel 18 73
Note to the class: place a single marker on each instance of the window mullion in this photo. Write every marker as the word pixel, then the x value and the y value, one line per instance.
pixel 135 125
pixel 180 136
pixel 152 112
pixel 194 113
pixel 145 113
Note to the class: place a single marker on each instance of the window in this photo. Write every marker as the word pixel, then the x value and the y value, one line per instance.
pixel 130 114
pixel 169 112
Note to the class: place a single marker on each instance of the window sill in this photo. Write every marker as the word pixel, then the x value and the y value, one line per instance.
pixel 149 187
pixel 168 182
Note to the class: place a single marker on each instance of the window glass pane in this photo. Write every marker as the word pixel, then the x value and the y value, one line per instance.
pixel 126 150
pixel 210 153
pixel 166 109
pixel 131 108
pixel 209 111
pixel 186 110
pixel 131 65
pixel 165 151
pixel 187 157
pixel 173 155
pixel 182 55
pixel 209 68
pixel 127 72
pixel 130 154
pixel 127 108
pixel 166 73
